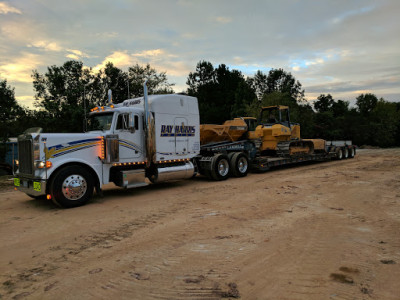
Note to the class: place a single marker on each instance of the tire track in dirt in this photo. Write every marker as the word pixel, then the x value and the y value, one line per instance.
pixel 318 231
pixel 60 255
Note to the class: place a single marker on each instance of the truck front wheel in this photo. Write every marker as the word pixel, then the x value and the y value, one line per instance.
pixel 345 153
pixel 352 152
pixel 72 186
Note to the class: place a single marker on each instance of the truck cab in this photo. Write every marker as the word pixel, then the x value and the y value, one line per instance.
pixel 133 143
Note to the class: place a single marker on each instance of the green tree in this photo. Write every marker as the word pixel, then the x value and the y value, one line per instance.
pixel 383 123
pixel 157 83
pixel 366 103
pixel 10 112
pixel 279 80
pixel 222 94
pixel 116 80
pixel 259 84
pixel 340 108
pixel 331 118
pixel 66 92
pixel 60 93
pixel 324 103
pixel 204 75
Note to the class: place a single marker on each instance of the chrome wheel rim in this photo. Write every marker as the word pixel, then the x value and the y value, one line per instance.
pixel 223 167
pixel 74 187
pixel 242 165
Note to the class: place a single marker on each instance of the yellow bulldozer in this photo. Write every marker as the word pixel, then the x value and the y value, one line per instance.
pixel 274 132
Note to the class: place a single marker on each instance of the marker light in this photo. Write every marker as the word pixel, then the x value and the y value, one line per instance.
pixel 102 149
pixel 42 164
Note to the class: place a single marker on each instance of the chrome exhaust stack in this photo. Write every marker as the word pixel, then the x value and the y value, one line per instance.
pixel 109 97
pixel 149 129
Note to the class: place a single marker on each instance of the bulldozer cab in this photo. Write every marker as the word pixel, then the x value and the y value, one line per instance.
pixel 277 114
pixel 251 123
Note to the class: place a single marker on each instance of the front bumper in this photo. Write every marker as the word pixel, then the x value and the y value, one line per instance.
pixel 34 187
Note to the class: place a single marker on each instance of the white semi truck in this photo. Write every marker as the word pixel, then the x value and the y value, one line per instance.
pixel 154 137
pixel 149 139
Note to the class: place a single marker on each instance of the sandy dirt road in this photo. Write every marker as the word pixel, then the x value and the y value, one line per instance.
pixel 318 231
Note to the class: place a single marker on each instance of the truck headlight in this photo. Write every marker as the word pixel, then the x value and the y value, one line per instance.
pixel 42 164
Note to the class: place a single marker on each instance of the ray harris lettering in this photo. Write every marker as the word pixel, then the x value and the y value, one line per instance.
pixel 177 130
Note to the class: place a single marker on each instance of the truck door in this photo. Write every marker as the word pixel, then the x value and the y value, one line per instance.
pixel 181 137
pixel 130 137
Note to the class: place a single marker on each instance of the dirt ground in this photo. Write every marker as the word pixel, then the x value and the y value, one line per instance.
pixel 316 231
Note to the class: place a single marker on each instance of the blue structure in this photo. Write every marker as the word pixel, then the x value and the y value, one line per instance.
pixel 6 162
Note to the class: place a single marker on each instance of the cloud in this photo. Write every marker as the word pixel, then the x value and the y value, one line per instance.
pixel 223 20
pixel 158 59
pixel 46 46
pixel 20 68
pixel 107 34
pixel 149 53
pixel 120 59
pixel 72 56
pixel 76 54
pixel 351 13
pixel 7 9
pixel 339 47
pixel 26 100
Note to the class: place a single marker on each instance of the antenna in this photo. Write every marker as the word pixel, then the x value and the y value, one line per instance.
pixel 84 108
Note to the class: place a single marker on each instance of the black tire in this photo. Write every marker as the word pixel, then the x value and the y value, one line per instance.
pixel 345 153
pixel 352 152
pixel 339 154
pixel 72 186
pixel 239 164
pixel 220 167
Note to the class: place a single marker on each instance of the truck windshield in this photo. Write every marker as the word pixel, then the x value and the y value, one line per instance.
pixel 100 121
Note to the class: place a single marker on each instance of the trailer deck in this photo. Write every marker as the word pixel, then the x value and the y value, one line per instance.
pixel 258 163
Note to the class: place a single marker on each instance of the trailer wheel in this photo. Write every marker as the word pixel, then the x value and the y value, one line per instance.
pixel 352 152
pixel 339 154
pixel 72 186
pixel 345 153
pixel 220 167
pixel 239 165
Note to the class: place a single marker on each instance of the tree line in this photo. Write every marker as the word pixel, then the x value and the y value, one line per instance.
pixel 63 94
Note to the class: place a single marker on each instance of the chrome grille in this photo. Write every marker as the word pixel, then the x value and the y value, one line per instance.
pixel 25 156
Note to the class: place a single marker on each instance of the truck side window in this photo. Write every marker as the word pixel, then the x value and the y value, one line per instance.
pixel 136 120
pixel 123 122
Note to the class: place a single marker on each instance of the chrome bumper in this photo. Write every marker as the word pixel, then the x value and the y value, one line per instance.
pixel 34 187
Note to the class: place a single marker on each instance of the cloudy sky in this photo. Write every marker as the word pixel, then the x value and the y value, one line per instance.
pixel 341 47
